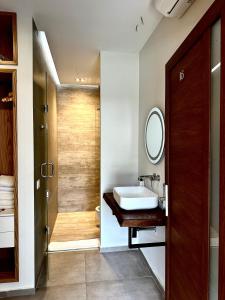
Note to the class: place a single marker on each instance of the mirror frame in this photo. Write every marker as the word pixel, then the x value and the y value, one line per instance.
pixel 155 160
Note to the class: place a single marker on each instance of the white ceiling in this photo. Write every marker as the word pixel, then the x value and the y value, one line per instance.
pixel 77 30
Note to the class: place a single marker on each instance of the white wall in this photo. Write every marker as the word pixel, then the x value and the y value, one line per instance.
pixel 119 134
pixel 25 145
pixel 167 37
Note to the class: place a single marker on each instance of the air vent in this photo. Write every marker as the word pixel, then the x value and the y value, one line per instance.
pixel 172 8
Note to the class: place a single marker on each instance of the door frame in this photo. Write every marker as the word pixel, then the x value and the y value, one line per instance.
pixel 215 12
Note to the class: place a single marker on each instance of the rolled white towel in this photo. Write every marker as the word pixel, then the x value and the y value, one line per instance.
pixel 6 189
pixel 6 206
pixel 6 181
pixel 6 195
pixel 7 211
pixel 6 202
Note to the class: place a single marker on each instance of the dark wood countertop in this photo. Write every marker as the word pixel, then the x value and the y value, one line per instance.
pixel 135 218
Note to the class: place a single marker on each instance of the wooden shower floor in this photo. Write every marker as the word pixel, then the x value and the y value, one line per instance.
pixel 74 226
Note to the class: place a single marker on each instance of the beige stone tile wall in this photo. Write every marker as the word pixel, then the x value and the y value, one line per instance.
pixel 78 149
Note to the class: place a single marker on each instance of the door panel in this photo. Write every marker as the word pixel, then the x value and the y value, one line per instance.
pixel 52 155
pixel 45 153
pixel 187 160
pixel 40 156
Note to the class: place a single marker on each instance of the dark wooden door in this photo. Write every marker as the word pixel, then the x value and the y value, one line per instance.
pixel 40 160
pixel 187 173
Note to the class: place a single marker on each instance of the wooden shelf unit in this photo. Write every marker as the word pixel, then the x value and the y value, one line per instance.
pixel 8 38
pixel 9 269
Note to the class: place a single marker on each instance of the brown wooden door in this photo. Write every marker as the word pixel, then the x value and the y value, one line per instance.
pixel 187 173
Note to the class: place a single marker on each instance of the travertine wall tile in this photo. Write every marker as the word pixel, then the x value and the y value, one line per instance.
pixel 78 149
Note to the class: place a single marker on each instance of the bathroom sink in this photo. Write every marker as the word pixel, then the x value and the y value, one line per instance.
pixel 135 197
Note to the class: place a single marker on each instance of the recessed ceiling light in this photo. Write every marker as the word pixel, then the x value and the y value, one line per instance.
pixel 80 79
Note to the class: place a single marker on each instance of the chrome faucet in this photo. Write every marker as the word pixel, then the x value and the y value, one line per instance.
pixel 153 177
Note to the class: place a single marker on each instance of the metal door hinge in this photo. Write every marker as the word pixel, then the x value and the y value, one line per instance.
pixel 47 229
pixel 45 108
pixel 44 126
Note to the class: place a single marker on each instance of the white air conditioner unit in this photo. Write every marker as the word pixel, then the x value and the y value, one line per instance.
pixel 172 8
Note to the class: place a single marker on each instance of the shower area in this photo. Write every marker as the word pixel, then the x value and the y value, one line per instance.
pixel 78 146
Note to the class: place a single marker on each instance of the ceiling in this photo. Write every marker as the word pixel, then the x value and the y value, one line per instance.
pixel 77 30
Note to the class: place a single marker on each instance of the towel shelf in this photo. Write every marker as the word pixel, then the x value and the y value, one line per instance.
pixel 9 264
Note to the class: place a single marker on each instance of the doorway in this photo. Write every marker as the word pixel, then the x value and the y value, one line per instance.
pixel 66 164
pixel 78 141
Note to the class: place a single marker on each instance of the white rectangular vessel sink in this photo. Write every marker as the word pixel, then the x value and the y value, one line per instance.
pixel 135 197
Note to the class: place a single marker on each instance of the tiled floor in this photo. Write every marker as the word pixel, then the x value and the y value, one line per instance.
pixel 74 226
pixel 90 275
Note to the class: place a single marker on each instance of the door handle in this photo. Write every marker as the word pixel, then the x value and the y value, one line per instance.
pixel 43 166
pixel 52 169
pixel 167 199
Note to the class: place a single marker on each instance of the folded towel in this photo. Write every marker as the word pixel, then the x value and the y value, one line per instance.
pixel 6 181
pixel 6 202
pixel 6 211
pixel 6 195
pixel 6 207
pixel 6 189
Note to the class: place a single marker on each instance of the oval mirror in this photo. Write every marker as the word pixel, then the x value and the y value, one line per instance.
pixel 155 135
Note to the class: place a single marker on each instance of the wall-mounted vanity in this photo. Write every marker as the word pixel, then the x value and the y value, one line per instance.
pixel 136 219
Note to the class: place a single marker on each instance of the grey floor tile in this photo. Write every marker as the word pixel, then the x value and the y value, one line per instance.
pixel 115 265
pixel 69 292
pixel 105 290
pixel 118 275
pixel 140 288
pixel 66 268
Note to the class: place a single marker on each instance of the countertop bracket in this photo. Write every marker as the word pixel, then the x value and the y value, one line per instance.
pixel 132 233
